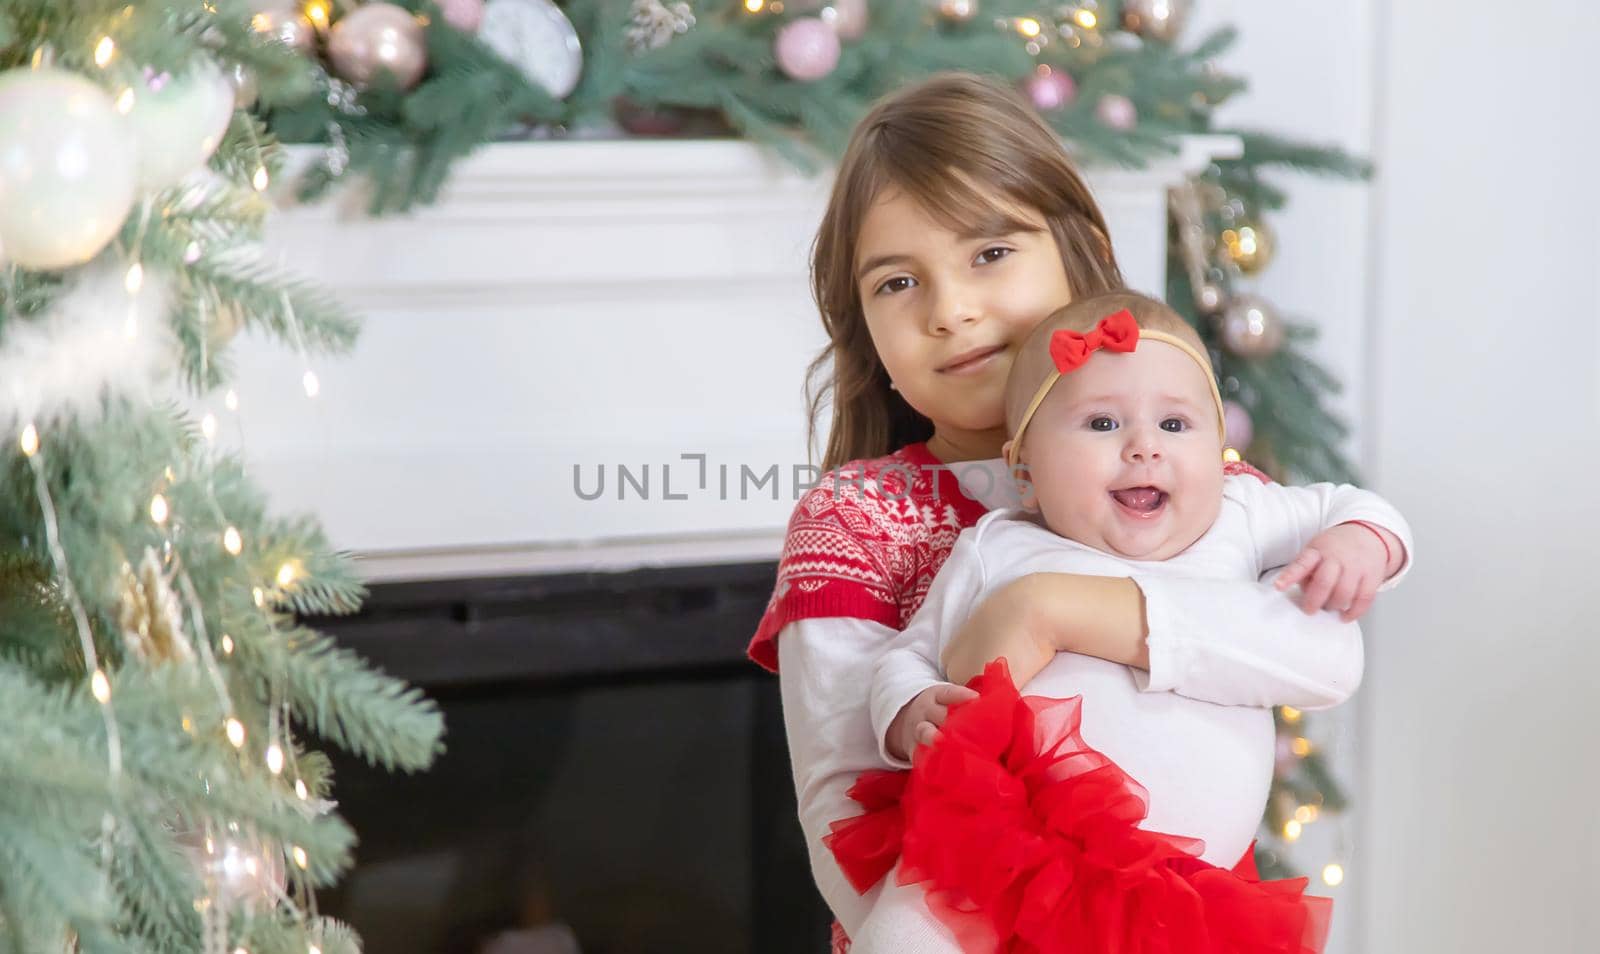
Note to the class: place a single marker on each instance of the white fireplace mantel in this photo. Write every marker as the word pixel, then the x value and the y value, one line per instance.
pixel 598 305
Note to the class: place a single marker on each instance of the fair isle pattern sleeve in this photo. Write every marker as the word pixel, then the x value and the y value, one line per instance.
pixel 865 543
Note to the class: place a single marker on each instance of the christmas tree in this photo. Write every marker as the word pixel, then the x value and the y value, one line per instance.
pixel 1118 80
pixel 159 694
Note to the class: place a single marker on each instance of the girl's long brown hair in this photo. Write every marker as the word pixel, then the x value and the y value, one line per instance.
pixel 954 143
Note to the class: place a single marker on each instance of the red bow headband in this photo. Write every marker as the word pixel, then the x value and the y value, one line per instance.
pixel 1118 332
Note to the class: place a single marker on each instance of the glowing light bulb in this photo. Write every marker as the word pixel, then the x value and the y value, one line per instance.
pixel 274 759
pixel 134 279
pixel 158 509
pixel 287 573
pixel 208 426
pixel 1301 746
pixel 1333 875
pixel 125 101
pixel 231 400
pixel 1291 830
pixel 260 180
pixel 235 732
pixel 312 385
pixel 227 645
pixel 1290 714
pixel 100 686
pixel 231 541
pixel 1029 27
pixel 300 857
pixel 300 790
pixel 1086 19
pixel 104 51
pixel 29 441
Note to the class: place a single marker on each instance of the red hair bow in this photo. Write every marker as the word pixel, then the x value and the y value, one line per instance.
pixel 1118 332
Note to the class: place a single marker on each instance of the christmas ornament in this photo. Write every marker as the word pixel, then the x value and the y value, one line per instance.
pixel 806 49
pixel 1116 111
pixel 378 37
pixel 178 122
pixel 236 871
pixel 537 38
pixel 68 167
pixel 464 15
pixel 1208 298
pixel 1250 328
pixel 244 85
pixel 1159 20
pixel 1248 245
pixel 958 11
pixel 150 614
pixel 1048 89
pixel 283 21
pixel 1236 422
pixel 652 24
pixel 848 18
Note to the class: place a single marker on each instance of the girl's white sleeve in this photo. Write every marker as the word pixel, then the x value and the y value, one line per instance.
pixel 824 673
pixel 1245 644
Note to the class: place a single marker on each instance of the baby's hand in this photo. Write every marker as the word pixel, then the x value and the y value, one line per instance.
pixel 1340 569
pixel 918 720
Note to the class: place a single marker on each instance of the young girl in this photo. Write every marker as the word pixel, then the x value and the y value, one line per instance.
pixel 956 224
pixel 1117 421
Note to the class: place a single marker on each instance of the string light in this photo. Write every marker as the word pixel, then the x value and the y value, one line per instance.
pixel 1028 27
pixel 231 541
pixel 258 596
pixel 1290 714
pixel 235 732
pixel 1086 19
pixel 274 759
pixel 1301 746
pixel 754 6
pixel 104 51
pixel 1291 830
pixel 317 12
pixel 288 573
pixel 1333 875
pixel 312 385
pixel 158 509
pixel 29 441
pixel 313 949
pixel 135 278
pixel 227 645
pixel 261 23
pixel 260 179
pixel 300 790
pixel 1230 455
pixel 125 101
pixel 300 857
pixel 1305 814
pixel 208 426
pixel 100 686
pixel 188 725
pixel 231 400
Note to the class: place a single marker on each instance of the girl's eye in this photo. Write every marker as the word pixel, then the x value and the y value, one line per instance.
pixel 1179 425
pixel 1096 422
pixel 994 254
pixel 897 284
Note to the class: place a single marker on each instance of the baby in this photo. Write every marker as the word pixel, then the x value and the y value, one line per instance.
pixel 1118 439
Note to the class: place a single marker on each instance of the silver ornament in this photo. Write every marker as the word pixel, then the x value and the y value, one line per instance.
pixel 378 37
pixel 1159 20
pixel 1250 327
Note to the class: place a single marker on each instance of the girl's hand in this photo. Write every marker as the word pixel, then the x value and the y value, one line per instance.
pixel 1008 622
pixel 918 721
pixel 1340 569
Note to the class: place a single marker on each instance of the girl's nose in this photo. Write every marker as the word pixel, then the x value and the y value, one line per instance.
pixel 952 306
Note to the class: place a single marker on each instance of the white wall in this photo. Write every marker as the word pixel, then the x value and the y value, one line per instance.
pixel 1459 300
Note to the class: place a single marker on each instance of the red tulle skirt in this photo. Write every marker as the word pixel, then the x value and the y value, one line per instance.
pixel 1026 840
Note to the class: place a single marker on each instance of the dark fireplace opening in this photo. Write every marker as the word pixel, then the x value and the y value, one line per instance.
pixel 616 778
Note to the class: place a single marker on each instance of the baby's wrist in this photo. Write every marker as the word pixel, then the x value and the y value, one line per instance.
pixel 1393 555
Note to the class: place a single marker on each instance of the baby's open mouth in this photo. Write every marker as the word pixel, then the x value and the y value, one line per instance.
pixel 1140 499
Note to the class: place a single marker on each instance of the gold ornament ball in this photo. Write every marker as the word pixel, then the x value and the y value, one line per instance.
pixel 283 21
pixel 378 38
pixel 1250 327
pixel 1159 20
pixel 1249 245
pixel 958 11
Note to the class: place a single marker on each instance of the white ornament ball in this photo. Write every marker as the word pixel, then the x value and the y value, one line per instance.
pixel 806 49
pixel 67 168
pixel 179 122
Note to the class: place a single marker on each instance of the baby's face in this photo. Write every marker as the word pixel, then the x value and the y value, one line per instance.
pixel 1124 454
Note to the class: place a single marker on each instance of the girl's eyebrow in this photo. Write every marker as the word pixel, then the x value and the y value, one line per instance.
pixel 878 261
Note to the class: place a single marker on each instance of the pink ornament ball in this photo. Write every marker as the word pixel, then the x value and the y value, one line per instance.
pixel 807 49
pixel 1238 424
pixel 1116 111
pixel 464 15
pixel 1049 89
